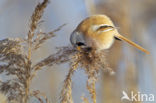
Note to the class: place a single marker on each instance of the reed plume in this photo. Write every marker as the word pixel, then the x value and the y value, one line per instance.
pixel 91 62
pixel 17 65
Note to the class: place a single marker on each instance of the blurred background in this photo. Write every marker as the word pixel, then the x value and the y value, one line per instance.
pixel 135 19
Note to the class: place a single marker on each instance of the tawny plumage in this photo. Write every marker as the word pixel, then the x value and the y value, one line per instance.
pixel 98 32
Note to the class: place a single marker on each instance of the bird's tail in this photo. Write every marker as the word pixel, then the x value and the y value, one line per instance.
pixel 132 43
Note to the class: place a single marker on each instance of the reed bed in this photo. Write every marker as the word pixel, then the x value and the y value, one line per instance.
pixel 16 63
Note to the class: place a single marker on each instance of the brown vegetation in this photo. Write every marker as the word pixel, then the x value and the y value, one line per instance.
pixel 17 64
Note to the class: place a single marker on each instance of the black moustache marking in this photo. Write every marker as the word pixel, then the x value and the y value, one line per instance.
pixel 80 44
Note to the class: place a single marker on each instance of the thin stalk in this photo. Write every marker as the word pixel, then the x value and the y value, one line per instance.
pixel 27 84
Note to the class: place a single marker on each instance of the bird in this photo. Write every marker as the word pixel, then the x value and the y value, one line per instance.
pixel 99 33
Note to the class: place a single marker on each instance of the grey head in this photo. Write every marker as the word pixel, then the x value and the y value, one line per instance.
pixel 77 39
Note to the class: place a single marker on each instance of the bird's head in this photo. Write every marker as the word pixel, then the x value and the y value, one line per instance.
pixel 94 32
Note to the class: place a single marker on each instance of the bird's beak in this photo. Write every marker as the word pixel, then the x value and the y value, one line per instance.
pixel 78 48
pixel 132 43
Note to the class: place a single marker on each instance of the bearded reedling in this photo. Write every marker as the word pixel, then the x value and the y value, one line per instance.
pixel 98 32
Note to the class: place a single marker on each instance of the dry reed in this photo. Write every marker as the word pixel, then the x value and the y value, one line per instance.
pixel 92 62
pixel 3 98
pixel 66 93
pixel 17 64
